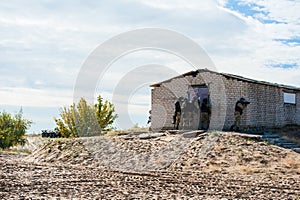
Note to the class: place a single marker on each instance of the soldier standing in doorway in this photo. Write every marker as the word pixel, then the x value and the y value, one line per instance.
pixel 238 111
pixel 205 114
pixel 177 114
pixel 189 113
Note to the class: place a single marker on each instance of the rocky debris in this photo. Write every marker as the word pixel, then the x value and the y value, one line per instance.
pixel 140 135
pixel 150 135
pixel 131 134
pixel 212 165
pixel 229 152
pixel 170 132
pixel 192 134
pixel 11 155
pixel 137 154
pixel 297 150
pixel 221 152
pixel 279 140
pixel 69 151
pixel 289 132
pixel 31 145
pixel 23 180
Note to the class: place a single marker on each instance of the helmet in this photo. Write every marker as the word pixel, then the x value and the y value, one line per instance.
pixel 242 99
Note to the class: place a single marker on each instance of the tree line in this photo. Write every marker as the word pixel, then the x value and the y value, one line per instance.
pixel 77 120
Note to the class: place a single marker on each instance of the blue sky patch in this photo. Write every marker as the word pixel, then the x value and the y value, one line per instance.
pixel 271 21
pixel 246 9
pixel 290 42
pixel 251 10
pixel 283 65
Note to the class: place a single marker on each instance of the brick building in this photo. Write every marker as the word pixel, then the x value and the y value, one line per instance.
pixel 272 105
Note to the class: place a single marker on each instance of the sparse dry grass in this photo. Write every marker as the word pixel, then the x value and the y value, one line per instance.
pixel 113 132
pixel 135 128
pixel 243 156
pixel 26 151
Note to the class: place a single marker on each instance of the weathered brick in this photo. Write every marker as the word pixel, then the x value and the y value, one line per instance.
pixel 267 108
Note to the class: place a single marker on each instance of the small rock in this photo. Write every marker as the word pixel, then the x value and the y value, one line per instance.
pixel 192 134
pixel 150 135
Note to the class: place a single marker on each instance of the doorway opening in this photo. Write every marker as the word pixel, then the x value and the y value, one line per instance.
pixel 200 93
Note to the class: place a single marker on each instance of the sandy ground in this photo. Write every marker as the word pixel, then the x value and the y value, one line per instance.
pixel 208 166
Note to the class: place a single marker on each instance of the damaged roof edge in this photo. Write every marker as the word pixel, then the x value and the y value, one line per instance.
pixel 231 76
pixel 241 78
pixel 190 73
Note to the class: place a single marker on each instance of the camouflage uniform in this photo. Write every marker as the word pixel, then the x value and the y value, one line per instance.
pixel 177 120
pixel 238 111
pixel 190 114
pixel 177 115
pixel 205 113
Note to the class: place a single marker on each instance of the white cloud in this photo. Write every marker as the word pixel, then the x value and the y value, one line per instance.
pixel 178 5
pixel 44 44
pixel 35 97
pixel 256 47
pixel 284 11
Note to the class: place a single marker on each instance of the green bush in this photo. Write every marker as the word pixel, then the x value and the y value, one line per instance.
pixel 12 129
pixel 82 119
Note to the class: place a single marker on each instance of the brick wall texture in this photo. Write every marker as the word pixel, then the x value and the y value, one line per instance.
pixel 267 108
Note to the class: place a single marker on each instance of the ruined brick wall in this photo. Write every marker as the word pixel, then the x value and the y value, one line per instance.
pixel 267 108
pixel 297 108
pixel 165 96
pixel 290 113
pixel 163 102
pixel 217 91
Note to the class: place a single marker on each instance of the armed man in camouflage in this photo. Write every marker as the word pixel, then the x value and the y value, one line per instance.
pixel 177 114
pixel 238 111
pixel 205 114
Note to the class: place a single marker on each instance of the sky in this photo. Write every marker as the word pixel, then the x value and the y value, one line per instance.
pixel 45 43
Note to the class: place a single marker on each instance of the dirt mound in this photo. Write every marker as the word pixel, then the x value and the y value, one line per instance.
pixel 68 151
pixel 32 144
pixel 213 152
pixel 35 181
pixel 229 152
pixel 112 152
pixel 211 166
